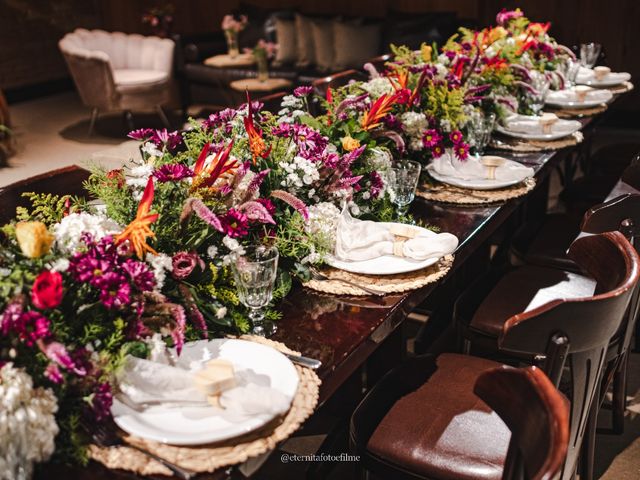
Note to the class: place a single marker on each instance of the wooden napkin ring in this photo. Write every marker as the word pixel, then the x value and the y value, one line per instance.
pixel 404 231
pixel 398 247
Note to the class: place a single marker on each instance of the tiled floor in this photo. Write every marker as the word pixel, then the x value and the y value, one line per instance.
pixel 52 132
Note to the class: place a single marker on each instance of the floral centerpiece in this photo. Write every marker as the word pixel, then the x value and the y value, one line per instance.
pixel 160 19
pixel 262 53
pixel 232 26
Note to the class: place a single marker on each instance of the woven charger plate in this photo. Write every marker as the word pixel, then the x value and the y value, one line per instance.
pixel 620 89
pixel 578 112
pixel 207 458
pixel 440 192
pixel 503 142
pixel 402 282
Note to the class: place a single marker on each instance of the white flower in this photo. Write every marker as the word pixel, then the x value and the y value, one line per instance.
pixel 379 159
pixel 71 227
pixel 323 221
pixel 234 247
pixel 300 172
pixel 139 175
pixel 27 422
pixel 414 125
pixel 60 265
pixel 157 348
pixel 377 87
pixel 151 149
pixel 221 312
pixel 5 272
pixel 212 251
pixel 160 265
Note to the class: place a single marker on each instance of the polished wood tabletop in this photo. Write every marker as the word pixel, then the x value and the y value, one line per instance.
pixel 343 332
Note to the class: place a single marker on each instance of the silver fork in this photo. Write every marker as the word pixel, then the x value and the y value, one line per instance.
pixel 317 275
pixel 106 436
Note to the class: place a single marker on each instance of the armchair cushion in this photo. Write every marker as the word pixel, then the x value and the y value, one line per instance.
pixel 133 77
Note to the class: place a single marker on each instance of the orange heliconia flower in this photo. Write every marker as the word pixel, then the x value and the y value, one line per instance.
pixel 256 142
pixel 221 164
pixel 138 230
pixel 399 79
pixel 381 107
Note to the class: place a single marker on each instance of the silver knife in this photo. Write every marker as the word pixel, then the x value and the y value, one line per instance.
pixel 311 363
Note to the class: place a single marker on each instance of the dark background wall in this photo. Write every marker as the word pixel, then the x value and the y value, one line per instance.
pixel 30 29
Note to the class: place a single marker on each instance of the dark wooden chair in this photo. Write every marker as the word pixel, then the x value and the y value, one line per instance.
pixel 67 180
pixel 380 61
pixel 482 312
pixel 336 80
pixel 423 421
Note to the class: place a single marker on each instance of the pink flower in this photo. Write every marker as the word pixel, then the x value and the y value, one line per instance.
pixel 47 290
pixel 431 138
pixel 115 291
pixel 141 133
pixel 196 205
pixel 172 172
pixel 461 150
pixel 183 264
pixel 437 151
pixel 456 137
pixel 505 16
pixel 52 372
pixel 11 316
pixel 235 223
pixel 32 326
pixel 292 200
pixel 102 401
pixel 57 353
pixel 302 91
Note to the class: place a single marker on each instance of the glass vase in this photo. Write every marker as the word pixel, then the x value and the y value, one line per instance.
pixel 232 43
pixel 263 67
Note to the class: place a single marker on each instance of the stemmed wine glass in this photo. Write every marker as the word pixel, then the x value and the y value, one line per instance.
pixel 255 275
pixel 589 53
pixel 403 181
pixel 537 96
pixel 481 128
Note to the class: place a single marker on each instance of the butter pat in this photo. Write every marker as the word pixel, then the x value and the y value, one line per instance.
pixel 216 377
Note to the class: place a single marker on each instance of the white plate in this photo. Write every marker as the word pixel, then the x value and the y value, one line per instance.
pixel 560 98
pixel 610 80
pixel 198 425
pixel 475 183
pixel 562 128
pixel 384 265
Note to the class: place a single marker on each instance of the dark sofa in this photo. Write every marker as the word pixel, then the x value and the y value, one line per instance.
pixel 200 83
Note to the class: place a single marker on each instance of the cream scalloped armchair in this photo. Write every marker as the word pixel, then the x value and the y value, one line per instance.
pixel 116 71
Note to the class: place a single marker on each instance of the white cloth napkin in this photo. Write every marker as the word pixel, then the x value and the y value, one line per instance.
pixel 532 125
pixel 569 95
pixel 358 240
pixel 147 383
pixel 472 169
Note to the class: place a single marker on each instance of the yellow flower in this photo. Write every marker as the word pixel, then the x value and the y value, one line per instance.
pixel 425 52
pixel 33 238
pixel 349 143
pixel 497 33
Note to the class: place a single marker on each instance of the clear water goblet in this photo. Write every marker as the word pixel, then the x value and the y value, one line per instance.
pixel 480 129
pixel 540 87
pixel 589 53
pixel 403 181
pixel 255 275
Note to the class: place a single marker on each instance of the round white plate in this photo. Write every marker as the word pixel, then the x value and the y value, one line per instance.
pixel 594 98
pixel 197 425
pixel 384 265
pixel 611 80
pixel 475 183
pixel 562 128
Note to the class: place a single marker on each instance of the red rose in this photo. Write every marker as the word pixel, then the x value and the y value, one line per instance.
pixel 47 290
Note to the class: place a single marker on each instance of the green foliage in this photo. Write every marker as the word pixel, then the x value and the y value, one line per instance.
pixel 46 207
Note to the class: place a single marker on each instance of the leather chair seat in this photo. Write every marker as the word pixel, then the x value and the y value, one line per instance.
pixel 547 245
pixel 524 289
pixel 132 78
pixel 442 430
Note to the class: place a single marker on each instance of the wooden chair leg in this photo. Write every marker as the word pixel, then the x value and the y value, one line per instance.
pixel 619 400
pixel 128 120
pixel 92 122
pixel 588 450
pixel 163 116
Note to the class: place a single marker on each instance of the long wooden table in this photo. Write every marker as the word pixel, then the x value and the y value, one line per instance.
pixel 343 332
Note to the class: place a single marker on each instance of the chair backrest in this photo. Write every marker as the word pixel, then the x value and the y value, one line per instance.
pixel 336 80
pixel 64 181
pixel 537 415
pixel 631 174
pixel 586 324
pixel 380 61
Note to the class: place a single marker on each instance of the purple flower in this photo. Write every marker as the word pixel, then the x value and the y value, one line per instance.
pixel 172 172
pixel 302 91
pixel 461 150
pixel 456 137
pixel 57 353
pixel 32 326
pixel 431 138
pixel 377 184
pixel 268 204
pixel 282 130
pixel 392 122
pixel 86 268
pixel 11 316
pixel 101 402
pixel 184 263
pixel 256 212
pixel 115 291
pixel 437 151
pixel 141 133
pixel 235 223
pixel 311 144
pixel 139 274
pixel 196 205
